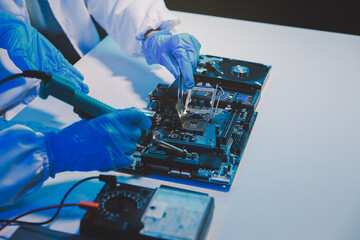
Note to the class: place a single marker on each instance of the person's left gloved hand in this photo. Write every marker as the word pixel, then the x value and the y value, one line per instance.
pixel 29 50
pixel 102 143
pixel 178 53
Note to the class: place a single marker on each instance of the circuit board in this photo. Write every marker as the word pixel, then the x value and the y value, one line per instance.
pixel 212 121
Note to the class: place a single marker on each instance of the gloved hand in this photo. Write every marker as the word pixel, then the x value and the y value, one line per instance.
pixel 178 53
pixel 103 143
pixel 29 50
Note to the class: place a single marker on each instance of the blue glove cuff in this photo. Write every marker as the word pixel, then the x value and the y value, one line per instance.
pixel 158 33
pixel 178 53
pixel 148 45
pixel 48 142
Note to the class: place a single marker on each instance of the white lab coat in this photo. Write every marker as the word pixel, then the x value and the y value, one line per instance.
pixel 23 154
pixel 126 21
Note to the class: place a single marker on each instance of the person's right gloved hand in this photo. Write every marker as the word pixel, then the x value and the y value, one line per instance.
pixel 29 50
pixel 103 143
pixel 178 53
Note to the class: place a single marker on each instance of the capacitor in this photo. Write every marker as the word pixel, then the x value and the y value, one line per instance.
pixel 231 158
pixel 182 136
pixel 218 141
pixel 229 168
pixel 225 169
pixel 191 137
pixel 228 108
pixel 217 129
pixel 188 135
pixel 242 114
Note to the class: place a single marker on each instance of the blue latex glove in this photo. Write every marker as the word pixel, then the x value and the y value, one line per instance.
pixel 178 53
pixel 103 143
pixel 29 50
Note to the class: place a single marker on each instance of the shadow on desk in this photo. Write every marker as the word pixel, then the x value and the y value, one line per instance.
pixel 37 116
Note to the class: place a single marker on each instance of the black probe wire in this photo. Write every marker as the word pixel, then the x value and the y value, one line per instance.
pixel 46 76
pixel 43 76
pixel 28 73
pixel 58 210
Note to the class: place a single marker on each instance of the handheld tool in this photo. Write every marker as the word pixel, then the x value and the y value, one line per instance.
pixel 88 107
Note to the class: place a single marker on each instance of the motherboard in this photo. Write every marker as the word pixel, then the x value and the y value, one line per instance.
pixel 211 121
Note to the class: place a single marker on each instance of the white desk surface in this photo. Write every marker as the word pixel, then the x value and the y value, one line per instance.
pixel 300 173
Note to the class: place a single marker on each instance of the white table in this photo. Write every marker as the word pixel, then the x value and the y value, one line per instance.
pixel 299 177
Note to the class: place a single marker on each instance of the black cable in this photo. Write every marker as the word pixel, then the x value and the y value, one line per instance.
pixel 29 73
pixel 105 178
pixel 83 205
pixel 58 210
pixel 46 77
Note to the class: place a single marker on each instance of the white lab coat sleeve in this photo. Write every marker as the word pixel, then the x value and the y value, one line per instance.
pixel 24 163
pixel 15 8
pixel 126 21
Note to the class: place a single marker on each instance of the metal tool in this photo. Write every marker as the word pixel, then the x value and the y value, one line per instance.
pixel 171 148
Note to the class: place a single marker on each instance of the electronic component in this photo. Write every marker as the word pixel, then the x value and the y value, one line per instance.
pixel 231 73
pixel 211 122
pixel 199 132
pixel 132 212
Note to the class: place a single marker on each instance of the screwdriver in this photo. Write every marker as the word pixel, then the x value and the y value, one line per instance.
pixel 173 149
pixel 88 107
pixel 178 151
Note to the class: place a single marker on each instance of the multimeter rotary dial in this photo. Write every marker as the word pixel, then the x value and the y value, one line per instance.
pixel 120 203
